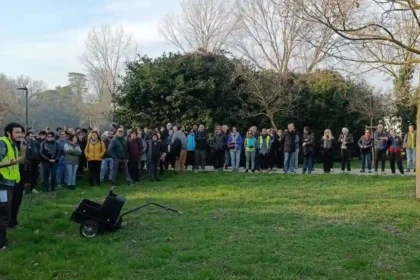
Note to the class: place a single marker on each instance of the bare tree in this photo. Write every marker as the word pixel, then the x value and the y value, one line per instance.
pixel 272 34
pixel 34 87
pixel 274 93
pixel 388 25
pixel 8 99
pixel 106 51
pixel 202 25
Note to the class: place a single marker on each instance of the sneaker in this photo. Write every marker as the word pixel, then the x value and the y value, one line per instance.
pixel 408 170
pixel 3 248
pixel 253 170
pixel 246 171
pixel 370 171
pixel 362 171
pixel 35 191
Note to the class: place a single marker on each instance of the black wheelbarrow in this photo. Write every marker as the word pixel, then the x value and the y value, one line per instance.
pixel 95 218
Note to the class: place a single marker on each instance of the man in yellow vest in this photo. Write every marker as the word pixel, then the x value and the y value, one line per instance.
pixel 9 173
pixel 410 147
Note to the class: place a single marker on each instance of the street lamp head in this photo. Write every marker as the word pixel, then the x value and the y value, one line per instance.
pixel 22 88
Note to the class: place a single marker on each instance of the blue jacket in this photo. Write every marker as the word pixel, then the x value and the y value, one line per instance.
pixel 236 139
pixel 61 143
pixel 191 142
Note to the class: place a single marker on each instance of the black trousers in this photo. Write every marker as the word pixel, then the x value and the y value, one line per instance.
pixel 396 157
pixel 327 159
pixel 190 159
pixel 94 172
pixel 5 208
pixel 265 160
pixel 133 169
pixel 380 156
pixel 200 159
pixel 219 159
pixel 152 168
pixel 345 159
pixel 17 197
pixel 33 175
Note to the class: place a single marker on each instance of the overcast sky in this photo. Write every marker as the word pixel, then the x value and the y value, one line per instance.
pixel 43 38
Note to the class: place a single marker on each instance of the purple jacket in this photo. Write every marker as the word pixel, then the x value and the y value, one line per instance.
pixel 235 139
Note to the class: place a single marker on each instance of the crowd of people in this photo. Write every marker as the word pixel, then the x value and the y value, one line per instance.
pixel 59 158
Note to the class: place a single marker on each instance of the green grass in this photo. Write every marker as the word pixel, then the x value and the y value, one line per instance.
pixel 235 226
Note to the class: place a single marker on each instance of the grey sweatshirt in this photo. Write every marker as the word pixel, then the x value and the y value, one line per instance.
pixel 181 136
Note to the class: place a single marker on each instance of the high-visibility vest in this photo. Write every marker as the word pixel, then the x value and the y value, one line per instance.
pixel 268 139
pixel 247 148
pixel 10 173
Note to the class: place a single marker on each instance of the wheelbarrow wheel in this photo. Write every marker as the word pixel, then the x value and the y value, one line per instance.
pixel 89 228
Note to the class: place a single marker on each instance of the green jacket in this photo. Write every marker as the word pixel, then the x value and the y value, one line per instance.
pixel 118 148
pixel 72 153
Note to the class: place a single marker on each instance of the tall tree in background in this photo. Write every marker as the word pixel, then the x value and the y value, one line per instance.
pixel 376 24
pixel 272 35
pixel 202 25
pixel 106 51
pixel 78 84
pixel 9 106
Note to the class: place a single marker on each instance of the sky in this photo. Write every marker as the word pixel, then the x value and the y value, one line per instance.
pixel 43 39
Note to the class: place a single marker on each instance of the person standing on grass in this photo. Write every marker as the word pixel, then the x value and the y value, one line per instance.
pixel 280 152
pixel 234 144
pixel 191 150
pixel 10 176
pixel 256 134
pixel 119 153
pixel 327 143
pixel 346 141
pixel 297 150
pixel 155 152
pixel 71 159
pixel 50 155
pixel 107 163
pixel 94 152
pixel 275 147
pixel 308 142
pixel 250 148
pixel 32 161
pixel 410 147
pixel 263 147
pixel 381 141
pixel 365 144
pixel 225 131
pixel 289 145
pixel 61 169
pixel 200 148
pixel 135 151
pixel 218 147
pixel 395 146
pixel 82 141
pixel 180 136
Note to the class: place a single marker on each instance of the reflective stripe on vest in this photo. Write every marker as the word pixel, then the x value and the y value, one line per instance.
pixel 267 140
pixel 247 148
pixel 10 173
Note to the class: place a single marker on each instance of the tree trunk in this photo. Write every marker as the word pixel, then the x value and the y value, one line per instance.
pixel 418 155
pixel 273 123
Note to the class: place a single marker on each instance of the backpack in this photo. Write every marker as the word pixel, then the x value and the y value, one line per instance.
pixel 176 147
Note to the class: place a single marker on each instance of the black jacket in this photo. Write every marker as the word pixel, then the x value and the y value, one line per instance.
pixel 200 141
pixel 289 139
pixel 218 143
pixel 50 150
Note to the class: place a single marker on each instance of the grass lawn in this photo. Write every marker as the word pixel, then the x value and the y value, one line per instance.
pixel 235 226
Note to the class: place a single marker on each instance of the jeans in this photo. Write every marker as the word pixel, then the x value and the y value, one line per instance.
pixel 235 156
pixel 61 171
pixel 227 157
pixel 289 161
pixel 124 164
pixel 152 168
pixel 366 161
pixel 411 158
pixel 296 163
pixel 250 157
pixel 71 174
pixel 307 162
pixel 106 168
pixel 50 169
pixel 5 209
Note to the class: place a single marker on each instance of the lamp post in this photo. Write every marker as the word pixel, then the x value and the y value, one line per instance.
pixel 26 105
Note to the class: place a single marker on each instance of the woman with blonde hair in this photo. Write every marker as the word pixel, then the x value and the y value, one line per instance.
pixel 327 142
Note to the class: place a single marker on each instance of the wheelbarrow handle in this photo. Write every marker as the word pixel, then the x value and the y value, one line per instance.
pixel 148 204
